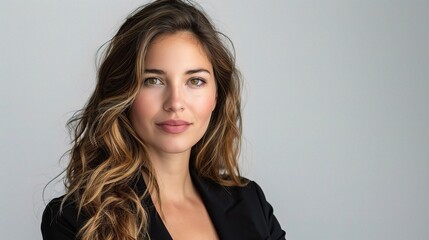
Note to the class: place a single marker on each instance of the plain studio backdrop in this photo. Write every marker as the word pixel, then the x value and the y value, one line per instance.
pixel 336 113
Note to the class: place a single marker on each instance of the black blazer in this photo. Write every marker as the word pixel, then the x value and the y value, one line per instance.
pixel 238 213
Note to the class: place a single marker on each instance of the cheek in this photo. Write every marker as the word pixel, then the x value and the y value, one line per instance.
pixel 205 107
pixel 205 102
pixel 142 110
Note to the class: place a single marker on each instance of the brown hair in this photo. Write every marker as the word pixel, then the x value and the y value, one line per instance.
pixel 107 156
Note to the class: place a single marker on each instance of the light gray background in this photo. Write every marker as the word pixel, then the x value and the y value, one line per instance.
pixel 335 120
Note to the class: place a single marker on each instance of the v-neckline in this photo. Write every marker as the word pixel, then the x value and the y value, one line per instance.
pixel 157 226
pixel 157 220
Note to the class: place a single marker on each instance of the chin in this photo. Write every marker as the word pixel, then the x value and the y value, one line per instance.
pixel 172 148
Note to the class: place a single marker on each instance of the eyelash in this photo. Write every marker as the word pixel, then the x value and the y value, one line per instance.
pixel 145 82
pixel 200 83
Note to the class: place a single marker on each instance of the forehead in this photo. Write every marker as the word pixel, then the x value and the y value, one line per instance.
pixel 178 49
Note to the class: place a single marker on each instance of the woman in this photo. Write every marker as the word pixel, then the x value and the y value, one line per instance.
pixel 155 149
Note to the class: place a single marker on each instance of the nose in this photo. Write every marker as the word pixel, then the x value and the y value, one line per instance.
pixel 173 99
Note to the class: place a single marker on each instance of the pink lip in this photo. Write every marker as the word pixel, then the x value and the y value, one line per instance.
pixel 173 126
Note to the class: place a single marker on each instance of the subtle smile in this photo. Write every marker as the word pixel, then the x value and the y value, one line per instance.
pixel 174 126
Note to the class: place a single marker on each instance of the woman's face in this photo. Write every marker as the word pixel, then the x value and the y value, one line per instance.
pixel 177 96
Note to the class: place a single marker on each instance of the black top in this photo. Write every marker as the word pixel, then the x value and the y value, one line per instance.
pixel 238 213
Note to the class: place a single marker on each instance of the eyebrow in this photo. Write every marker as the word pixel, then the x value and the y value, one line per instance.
pixel 189 72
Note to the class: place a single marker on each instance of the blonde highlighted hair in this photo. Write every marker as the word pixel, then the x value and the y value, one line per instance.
pixel 107 156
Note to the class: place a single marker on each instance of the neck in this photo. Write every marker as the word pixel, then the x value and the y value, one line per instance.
pixel 173 177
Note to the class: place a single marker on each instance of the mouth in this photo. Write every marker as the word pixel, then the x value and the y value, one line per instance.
pixel 173 126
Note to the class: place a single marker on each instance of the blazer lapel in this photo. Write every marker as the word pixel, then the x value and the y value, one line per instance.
pixel 157 229
pixel 230 214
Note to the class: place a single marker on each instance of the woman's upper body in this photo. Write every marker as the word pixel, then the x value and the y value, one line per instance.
pixel 167 99
pixel 236 212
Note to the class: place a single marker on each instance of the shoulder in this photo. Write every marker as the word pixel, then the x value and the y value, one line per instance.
pixel 251 192
pixel 60 220
pixel 253 200
pixel 248 191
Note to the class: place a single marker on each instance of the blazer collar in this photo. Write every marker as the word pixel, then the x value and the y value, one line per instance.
pixel 215 197
pixel 224 205
pixel 221 203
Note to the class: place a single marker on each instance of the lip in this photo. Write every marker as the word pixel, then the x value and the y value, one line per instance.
pixel 173 126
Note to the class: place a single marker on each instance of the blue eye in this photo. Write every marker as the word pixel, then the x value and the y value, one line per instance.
pixel 197 82
pixel 152 81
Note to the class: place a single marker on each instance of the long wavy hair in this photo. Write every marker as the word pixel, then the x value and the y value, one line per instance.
pixel 107 156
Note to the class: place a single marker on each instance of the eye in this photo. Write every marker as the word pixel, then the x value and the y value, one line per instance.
pixel 152 81
pixel 196 82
